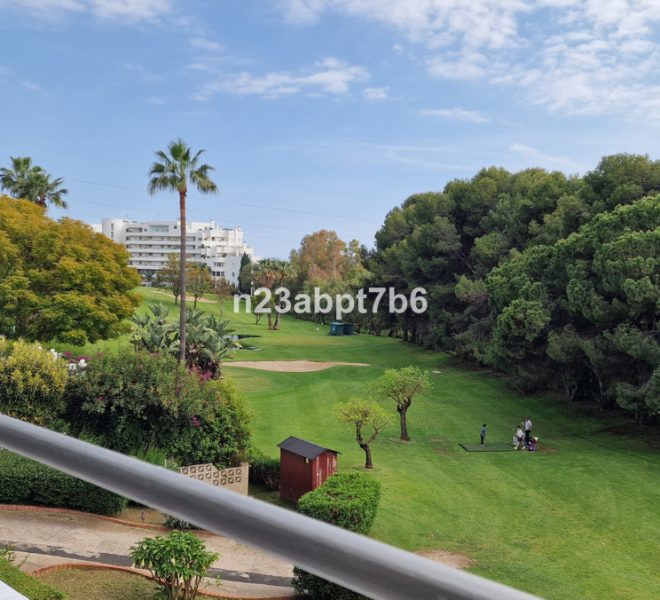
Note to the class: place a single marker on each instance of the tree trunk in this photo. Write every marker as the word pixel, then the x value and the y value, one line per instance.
pixel 182 278
pixel 404 424
pixel 368 463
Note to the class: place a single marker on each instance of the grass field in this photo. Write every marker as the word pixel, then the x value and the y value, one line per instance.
pixel 578 519
pixel 82 584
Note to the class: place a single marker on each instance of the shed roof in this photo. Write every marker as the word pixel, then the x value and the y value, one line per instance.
pixel 303 448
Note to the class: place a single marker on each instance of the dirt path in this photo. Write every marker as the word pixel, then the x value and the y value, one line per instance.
pixel 72 537
pixel 290 366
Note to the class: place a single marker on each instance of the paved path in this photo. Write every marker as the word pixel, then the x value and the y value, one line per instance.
pixel 81 537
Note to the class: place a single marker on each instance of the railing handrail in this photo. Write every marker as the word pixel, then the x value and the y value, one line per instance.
pixel 364 565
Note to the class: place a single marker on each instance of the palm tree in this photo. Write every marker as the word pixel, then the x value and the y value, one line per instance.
pixel 31 182
pixel 173 170
pixel 270 273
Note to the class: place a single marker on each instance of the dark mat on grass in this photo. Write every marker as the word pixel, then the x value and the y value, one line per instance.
pixel 494 447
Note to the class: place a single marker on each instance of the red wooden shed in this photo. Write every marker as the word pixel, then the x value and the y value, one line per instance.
pixel 303 467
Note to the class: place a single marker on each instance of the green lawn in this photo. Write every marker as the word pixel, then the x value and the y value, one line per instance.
pixel 578 519
pixel 83 584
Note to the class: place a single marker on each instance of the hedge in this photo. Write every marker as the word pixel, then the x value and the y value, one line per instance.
pixel 30 587
pixel 264 470
pixel 23 481
pixel 348 500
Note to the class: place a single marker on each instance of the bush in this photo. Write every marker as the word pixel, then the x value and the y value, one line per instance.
pixel 23 481
pixel 221 435
pixel 179 524
pixel 139 401
pixel 32 383
pixel 348 500
pixel 264 470
pixel 177 562
pixel 24 584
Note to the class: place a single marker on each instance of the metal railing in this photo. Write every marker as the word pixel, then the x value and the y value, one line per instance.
pixel 364 565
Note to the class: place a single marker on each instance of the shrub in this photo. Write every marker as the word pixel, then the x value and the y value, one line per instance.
pixel 348 500
pixel 176 523
pixel 264 470
pixel 23 481
pixel 177 562
pixel 32 383
pixel 221 434
pixel 208 339
pixel 29 586
pixel 139 401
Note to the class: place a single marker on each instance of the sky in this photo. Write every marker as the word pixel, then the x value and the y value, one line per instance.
pixel 319 113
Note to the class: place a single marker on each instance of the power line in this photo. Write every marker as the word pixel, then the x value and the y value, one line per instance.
pixel 246 204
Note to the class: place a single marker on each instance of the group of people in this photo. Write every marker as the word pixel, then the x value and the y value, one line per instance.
pixel 522 439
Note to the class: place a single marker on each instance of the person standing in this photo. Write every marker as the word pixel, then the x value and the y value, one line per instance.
pixel 520 437
pixel 528 430
pixel 482 433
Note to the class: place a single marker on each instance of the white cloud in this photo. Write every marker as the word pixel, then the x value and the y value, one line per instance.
pixel 541 157
pixel 329 76
pixel 455 114
pixel 31 86
pixel 376 93
pixel 205 44
pixel 127 11
pixel 605 60
pixel 130 10
pixel 143 73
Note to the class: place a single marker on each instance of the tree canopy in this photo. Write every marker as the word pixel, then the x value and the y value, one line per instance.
pixel 30 182
pixel 554 280
pixel 60 280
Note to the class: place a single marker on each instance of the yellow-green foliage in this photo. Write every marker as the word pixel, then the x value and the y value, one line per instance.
pixel 32 382
pixel 59 279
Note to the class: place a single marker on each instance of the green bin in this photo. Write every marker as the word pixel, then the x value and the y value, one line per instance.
pixel 336 328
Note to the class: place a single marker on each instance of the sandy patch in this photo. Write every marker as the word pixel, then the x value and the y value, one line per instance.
pixel 290 366
pixel 452 559
pixel 188 298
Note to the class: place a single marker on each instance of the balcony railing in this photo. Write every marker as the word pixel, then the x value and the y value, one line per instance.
pixel 353 561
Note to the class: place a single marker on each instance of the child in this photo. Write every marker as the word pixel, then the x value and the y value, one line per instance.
pixel 532 444
pixel 482 433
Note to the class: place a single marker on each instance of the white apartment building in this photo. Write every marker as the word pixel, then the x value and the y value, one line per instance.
pixel 149 244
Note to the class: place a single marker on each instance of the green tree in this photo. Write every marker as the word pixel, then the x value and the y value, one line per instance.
pixel 368 418
pixel 175 170
pixel 169 276
pixel 200 281
pixel 245 275
pixel 177 562
pixel 31 182
pixel 401 386
pixel 60 280
pixel 271 273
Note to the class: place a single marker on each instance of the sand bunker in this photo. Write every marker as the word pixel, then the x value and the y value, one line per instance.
pixel 188 298
pixel 453 559
pixel 290 366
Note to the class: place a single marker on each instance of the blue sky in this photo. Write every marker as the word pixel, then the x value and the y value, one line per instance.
pixel 320 113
